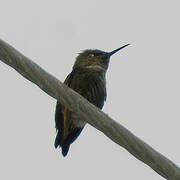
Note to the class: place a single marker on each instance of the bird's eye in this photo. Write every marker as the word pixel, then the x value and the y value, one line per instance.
pixel 92 55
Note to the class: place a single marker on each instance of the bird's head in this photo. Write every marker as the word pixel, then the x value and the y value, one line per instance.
pixel 95 58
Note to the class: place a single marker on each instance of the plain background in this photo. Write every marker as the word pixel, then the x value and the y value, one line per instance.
pixel 142 85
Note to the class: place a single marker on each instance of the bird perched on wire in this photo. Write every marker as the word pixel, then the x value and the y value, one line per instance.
pixel 88 79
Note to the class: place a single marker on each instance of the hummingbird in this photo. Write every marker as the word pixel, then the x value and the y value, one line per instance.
pixel 88 79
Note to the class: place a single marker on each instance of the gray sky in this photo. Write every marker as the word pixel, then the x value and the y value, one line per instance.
pixel 142 84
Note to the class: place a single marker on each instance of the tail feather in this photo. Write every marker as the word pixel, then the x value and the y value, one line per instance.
pixel 65 144
pixel 65 149
pixel 58 139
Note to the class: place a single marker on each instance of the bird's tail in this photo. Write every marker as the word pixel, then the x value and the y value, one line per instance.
pixel 65 143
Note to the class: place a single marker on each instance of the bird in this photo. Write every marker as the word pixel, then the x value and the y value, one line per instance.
pixel 88 79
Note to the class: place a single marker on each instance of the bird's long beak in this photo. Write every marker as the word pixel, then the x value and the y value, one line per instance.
pixel 116 50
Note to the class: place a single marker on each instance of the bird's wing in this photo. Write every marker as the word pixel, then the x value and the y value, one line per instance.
pixel 60 116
